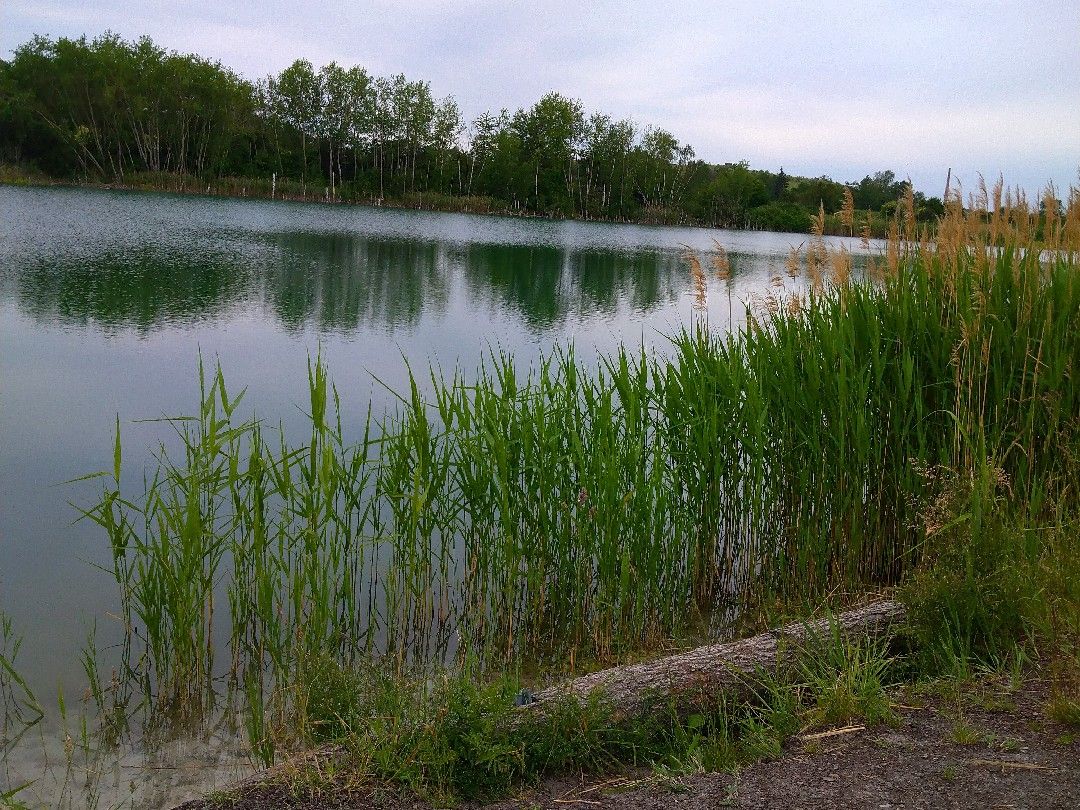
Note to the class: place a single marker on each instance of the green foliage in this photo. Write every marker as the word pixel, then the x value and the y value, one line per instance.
pixel 564 509
pixel 846 679
pixel 873 191
pixel 920 428
pixel 133 113
pixel 1010 582
pixel 108 106
pixel 456 738
pixel 780 216
pixel 20 710
pixel 1064 709
pixel 736 189
pixel 810 193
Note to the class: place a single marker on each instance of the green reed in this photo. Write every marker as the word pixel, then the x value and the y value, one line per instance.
pixel 20 710
pixel 531 514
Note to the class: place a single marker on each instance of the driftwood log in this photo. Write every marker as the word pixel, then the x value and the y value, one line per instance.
pixel 710 670
pixel 715 668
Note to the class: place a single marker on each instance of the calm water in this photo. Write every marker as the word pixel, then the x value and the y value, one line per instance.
pixel 107 299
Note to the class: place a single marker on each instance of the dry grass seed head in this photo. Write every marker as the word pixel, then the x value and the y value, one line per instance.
pixel 792 262
pixel 1021 216
pixel 1071 229
pixel 995 213
pixel 924 241
pixel 908 207
pixel 698 281
pixel 841 266
pixel 982 200
pixel 892 249
pixel 1051 232
pixel 866 231
pixel 817 226
pixel 873 269
pixel 974 216
pixel 721 263
pixel 847 211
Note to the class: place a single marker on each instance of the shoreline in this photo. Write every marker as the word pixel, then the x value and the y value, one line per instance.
pixel 393 203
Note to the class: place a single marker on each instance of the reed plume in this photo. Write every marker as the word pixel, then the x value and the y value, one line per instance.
pixel 720 262
pixel 791 264
pixel 1051 218
pixel 840 260
pixel 1071 230
pixel 847 211
pixel 866 231
pixel 698 281
pixel 995 214
pixel 908 209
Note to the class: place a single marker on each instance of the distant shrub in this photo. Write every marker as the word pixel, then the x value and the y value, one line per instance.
pixel 780 216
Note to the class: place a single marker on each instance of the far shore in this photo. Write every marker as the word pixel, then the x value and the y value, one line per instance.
pixel 260 189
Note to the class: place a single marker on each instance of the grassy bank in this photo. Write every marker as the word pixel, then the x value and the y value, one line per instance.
pixel 914 429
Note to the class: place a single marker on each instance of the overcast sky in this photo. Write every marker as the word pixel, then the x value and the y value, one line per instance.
pixel 836 88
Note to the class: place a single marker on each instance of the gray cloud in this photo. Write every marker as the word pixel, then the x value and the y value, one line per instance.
pixel 841 88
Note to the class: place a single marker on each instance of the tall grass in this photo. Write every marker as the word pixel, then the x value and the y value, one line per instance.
pixel 559 509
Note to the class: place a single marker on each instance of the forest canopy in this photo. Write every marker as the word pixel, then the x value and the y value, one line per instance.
pixel 112 111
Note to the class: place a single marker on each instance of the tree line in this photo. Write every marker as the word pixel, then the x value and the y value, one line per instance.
pixel 110 110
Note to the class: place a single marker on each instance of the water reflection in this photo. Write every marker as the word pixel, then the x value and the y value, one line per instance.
pixel 524 278
pixel 140 289
pixel 543 284
pixel 342 282
pixel 644 280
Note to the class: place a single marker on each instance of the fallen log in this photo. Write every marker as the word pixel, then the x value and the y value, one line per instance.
pixel 709 670
pixel 714 668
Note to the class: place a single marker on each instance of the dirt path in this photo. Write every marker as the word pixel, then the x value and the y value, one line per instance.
pixel 985 751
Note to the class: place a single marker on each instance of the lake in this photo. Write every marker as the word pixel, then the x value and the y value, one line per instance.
pixel 107 300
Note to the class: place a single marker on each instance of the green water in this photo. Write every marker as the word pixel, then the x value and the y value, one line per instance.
pixel 107 299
